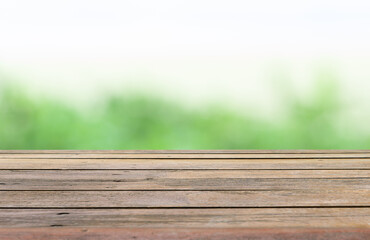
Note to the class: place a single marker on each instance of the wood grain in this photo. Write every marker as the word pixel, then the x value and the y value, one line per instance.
pixel 148 199
pixel 184 233
pixel 168 164
pixel 182 218
pixel 226 180
pixel 185 194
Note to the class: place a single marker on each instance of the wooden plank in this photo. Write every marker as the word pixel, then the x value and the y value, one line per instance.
pixel 178 174
pixel 185 164
pixel 143 199
pixel 186 155
pixel 188 218
pixel 229 194
pixel 184 234
pixel 184 179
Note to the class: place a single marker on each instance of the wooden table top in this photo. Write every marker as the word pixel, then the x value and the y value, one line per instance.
pixel 219 194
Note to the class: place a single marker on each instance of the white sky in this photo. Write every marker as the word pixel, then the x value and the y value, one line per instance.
pixel 195 49
pixel 139 28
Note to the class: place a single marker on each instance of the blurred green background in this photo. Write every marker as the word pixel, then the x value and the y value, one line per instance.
pixel 144 121
pixel 195 74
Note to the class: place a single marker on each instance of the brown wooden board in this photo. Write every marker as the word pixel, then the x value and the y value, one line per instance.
pixel 179 194
pixel 168 164
pixel 226 180
pixel 347 217
pixel 183 234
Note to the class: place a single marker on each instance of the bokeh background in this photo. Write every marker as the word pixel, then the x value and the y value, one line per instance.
pixel 202 74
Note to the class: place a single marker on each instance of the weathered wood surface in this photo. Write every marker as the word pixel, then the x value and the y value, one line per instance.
pixel 221 194
pixel 183 234
pixel 196 164
pixel 189 218
pixel 273 180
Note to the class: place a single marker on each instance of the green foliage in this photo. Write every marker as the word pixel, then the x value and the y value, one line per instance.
pixel 147 122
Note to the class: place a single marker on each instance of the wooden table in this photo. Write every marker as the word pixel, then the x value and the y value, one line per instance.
pixel 185 194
